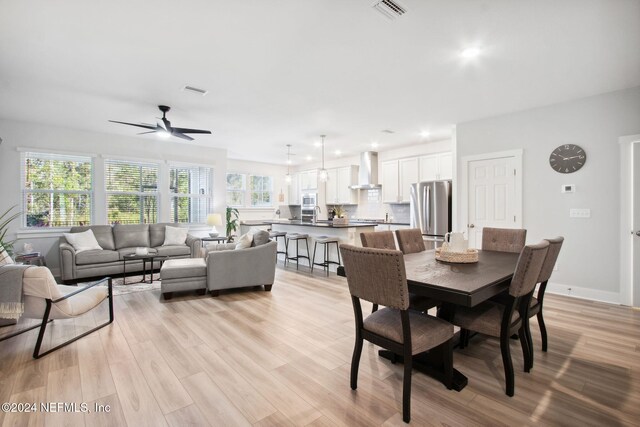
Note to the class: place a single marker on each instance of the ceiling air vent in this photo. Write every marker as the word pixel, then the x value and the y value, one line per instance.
pixel 389 8
pixel 195 90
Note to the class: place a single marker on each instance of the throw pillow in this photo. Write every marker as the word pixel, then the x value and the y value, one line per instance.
pixel 174 236
pixel 84 241
pixel 260 237
pixel 244 241
pixel 5 259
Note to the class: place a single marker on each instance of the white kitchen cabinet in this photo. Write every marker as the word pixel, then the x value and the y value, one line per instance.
pixel 337 186
pixel 436 166
pixel 309 180
pixel 294 189
pixel 390 182
pixel 408 169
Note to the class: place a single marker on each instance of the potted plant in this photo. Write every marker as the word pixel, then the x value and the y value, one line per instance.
pixel 5 219
pixel 232 222
pixel 340 215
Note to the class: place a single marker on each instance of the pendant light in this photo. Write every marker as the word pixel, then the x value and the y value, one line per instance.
pixel 323 175
pixel 287 177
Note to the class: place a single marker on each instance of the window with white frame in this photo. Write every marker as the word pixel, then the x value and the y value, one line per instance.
pixel 236 186
pixel 261 190
pixel 57 190
pixel 132 192
pixel 191 193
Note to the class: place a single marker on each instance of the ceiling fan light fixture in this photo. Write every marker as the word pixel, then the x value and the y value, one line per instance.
pixel 163 134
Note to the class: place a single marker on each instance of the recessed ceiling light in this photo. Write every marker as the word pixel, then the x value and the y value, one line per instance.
pixel 289 161
pixel 309 158
pixel 424 134
pixel 470 53
pixel 374 144
pixel 317 144
pixel 338 152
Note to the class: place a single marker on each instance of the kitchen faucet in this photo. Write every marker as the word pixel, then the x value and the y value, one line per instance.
pixel 316 211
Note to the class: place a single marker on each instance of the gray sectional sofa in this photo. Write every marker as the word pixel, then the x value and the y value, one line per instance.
pixel 117 241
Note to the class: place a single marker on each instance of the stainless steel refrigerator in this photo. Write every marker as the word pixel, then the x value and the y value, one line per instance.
pixel 431 209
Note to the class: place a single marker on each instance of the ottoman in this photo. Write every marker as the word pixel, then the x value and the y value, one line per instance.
pixel 184 274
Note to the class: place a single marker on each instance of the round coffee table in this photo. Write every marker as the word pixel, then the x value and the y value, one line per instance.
pixel 144 258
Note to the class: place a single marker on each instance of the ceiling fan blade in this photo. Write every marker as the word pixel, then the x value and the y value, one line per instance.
pixel 187 130
pixel 142 133
pixel 134 124
pixel 180 135
pixel 161 125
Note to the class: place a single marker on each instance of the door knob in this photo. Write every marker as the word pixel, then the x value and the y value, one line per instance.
pixel 638 233
pixel 471 226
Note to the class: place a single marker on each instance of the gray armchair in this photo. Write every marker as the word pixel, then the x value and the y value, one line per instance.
pixel 228 268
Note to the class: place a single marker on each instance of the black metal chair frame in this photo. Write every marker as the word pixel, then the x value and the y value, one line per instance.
pixel 327 261
pixel 298 256
pixel 47 311
pixel 403 349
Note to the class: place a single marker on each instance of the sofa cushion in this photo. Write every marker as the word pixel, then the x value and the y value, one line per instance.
pixel 183 268
pixel 103 233
pixel 131 235
pixel 173 250
pixel 260 237
pixel 156 233
pixel 129 251
pixel 83 241
pixel 96 256
pixel 244 241
pixel 174 236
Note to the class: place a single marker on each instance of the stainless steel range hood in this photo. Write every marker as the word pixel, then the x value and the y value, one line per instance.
pixel 368 172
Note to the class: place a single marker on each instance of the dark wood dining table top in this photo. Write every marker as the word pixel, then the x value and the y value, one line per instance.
pixel 461 284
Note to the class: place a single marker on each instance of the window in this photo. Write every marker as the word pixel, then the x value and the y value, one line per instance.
pixel 132 192
pixel 190 189
pixel 57 190
pixel 235 189
pixel 261 189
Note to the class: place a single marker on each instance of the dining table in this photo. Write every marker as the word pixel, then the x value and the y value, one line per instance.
pixel 453 284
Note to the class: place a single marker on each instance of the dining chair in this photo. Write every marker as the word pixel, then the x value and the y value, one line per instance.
pixel 535 307
pixel 379 276
pixel 46 301
pixel 378 240
pixel 503 239
pixel 410 241
pixel 501 321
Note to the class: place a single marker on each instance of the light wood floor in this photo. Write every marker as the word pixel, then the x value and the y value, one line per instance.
pixel 283 358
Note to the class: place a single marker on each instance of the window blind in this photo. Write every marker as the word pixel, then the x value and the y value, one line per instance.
pixel 57 189
pixel 132 192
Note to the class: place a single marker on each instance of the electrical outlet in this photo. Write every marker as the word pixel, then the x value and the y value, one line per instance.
pixel 579 213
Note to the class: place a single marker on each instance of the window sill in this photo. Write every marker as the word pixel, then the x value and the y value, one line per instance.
pixel 41 233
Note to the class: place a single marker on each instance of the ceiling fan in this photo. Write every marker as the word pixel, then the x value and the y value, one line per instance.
pixel 163 128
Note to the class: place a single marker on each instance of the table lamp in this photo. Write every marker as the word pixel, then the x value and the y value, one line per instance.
pixel 213 220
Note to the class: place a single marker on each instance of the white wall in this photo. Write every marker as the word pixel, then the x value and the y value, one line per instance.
pixel 41 137
pixel 588 262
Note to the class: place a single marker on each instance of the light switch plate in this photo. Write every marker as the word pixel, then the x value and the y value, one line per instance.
pixel 579 213
pixel 568 188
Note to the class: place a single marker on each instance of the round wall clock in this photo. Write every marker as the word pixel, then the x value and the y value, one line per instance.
pixel 567 158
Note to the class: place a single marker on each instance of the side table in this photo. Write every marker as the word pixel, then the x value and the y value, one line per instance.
pixel 31 260
pixel 144 258
pixel 218 239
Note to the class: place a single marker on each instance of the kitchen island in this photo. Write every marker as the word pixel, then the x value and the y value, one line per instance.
pixel 346 233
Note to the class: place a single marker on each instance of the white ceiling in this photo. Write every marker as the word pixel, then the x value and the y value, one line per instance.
pixel 285 71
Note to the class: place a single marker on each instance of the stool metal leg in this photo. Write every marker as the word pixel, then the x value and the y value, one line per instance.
pixel 313 260
pixel 306 242
pixel 297 253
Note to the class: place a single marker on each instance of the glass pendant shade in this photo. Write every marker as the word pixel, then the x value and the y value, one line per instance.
pixel 323 175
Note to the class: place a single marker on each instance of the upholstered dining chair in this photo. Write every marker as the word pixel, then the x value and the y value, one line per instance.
pixel 410 241
pixel 379 276
pixel 45 300
pixel 503 239
pixel 378 240
pixel 501 321
pixel 535 308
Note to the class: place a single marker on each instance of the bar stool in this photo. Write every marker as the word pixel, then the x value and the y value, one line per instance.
pixel 326 241
pixel 297 237
pixel 276 235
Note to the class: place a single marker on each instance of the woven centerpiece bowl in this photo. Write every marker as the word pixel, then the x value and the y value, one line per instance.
pixel 467 257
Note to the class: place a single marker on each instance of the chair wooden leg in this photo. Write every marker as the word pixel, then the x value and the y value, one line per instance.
pixel 527 354
pixel 508 365
pixel 355 363
pixel 215 293
pixel 167 295
pixel 267 288
pixel 527 331
pixel 464 338
pixel 543 329
pixel 406 390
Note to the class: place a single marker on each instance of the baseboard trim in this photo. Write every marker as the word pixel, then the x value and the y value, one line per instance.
pixel 584 293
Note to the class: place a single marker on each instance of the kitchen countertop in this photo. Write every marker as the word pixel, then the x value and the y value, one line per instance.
pixel 323 224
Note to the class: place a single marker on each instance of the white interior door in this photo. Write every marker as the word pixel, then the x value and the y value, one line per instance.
pixel 492 196
pixel 636 224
